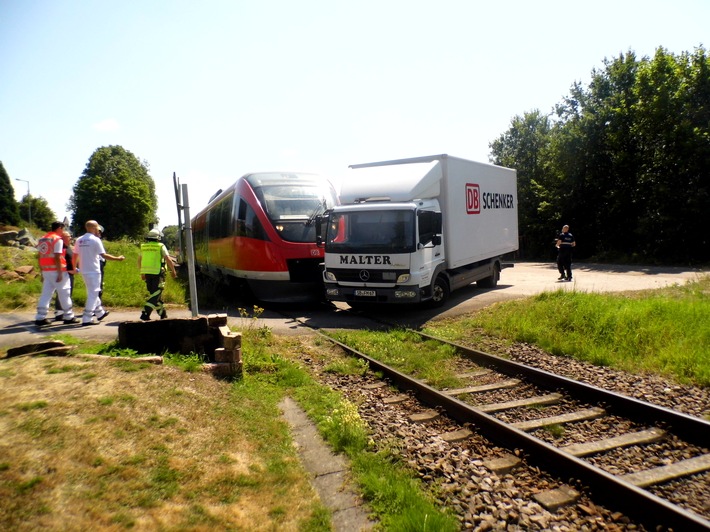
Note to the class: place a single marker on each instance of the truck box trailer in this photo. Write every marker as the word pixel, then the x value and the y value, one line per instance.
pixel 414 230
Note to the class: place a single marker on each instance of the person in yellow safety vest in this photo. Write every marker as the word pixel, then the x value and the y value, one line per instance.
pixel 53 268
pixel 152 262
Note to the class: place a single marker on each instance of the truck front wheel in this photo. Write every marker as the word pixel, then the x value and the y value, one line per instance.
pixel 439 292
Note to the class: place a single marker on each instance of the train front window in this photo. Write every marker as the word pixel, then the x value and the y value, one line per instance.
pixel 292 208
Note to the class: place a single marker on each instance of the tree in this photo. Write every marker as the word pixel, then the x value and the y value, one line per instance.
pixel 9 213
pixel 116 190
pixel 625 162
pixel 524 147
pixel 170 236
pixel 42 215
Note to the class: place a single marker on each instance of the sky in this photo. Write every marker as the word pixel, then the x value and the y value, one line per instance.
pixel 215 89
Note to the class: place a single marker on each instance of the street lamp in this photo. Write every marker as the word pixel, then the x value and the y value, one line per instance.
pixel 29 200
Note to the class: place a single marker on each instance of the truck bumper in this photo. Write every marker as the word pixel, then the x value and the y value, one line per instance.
pixel 353 294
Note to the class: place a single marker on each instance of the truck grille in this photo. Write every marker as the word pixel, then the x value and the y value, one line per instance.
pixel 355 275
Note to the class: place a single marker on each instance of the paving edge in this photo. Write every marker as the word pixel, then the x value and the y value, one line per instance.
pixel 330 474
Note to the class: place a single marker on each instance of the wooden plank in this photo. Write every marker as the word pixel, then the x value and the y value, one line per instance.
pixel 665 473
pixel 607 444
pixel 580 415
pixel 530 401
pixel 31 349
pixel 484 387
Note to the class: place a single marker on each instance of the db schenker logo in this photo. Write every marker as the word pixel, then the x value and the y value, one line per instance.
pixel 473 199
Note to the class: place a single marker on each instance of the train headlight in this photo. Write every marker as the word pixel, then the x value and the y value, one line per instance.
pixel 279 228
pixel 330 276
pixel 403 278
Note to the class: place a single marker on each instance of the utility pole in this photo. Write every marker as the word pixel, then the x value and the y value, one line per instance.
pixel 29 200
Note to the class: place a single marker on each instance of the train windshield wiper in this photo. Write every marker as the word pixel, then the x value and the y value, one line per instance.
pixel 319 209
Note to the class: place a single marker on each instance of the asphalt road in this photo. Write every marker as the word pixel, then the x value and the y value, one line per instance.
pixel 525 279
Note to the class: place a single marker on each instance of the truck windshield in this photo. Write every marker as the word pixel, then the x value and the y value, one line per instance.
pixel 371 232
pixel 292 208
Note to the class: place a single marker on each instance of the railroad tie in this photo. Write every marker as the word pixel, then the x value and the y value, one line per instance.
pixel 395 399
pixel 503 464
pixel 509 383
pixel 556 498
pixel 607 444
pixel 472 374
pixel 579 415
pixel 456 435
pixel 548 399
pixel 424 417
pixel 661 474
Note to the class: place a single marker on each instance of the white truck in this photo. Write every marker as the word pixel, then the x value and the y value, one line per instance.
pixel 414 230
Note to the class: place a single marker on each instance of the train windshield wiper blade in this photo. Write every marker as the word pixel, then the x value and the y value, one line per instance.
pixel 319 209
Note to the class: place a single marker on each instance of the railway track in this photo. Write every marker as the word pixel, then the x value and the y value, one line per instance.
pixel 526 409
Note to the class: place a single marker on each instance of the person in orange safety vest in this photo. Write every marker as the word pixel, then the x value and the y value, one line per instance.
pixel 53 268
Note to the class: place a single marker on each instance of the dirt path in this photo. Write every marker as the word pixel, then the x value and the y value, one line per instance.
pixel 525 279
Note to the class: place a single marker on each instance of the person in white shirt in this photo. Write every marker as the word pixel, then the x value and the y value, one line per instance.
pixel 88 251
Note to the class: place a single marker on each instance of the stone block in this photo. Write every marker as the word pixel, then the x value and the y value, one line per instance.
pixel 171 335
pixel 232 341
pixel 217 320
pixel 223 369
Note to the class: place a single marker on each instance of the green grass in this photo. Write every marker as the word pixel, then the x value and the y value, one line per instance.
pixel 428 360
pixel 665 331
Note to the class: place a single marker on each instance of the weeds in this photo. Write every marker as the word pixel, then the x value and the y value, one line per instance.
pixel 250 322
pixel 344 428
pixel 191 363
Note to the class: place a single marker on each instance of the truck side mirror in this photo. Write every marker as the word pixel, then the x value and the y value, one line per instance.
pixel 436 240
pixel 319 234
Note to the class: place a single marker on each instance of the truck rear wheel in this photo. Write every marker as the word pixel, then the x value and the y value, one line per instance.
pixel 491 281
pixel 439 292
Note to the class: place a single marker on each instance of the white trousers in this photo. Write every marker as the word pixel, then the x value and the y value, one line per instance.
pixel 49 286
pixel 93 301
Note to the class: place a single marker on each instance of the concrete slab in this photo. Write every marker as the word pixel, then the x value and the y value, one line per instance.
pixel 330 472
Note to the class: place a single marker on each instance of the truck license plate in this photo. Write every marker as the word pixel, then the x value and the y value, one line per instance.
pixel 365 293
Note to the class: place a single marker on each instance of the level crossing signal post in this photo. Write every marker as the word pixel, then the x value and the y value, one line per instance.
pixel 187 251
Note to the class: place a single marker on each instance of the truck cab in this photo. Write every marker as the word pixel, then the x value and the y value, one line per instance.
pixel 382 252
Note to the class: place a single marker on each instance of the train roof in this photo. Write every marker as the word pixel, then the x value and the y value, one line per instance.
pixel 261 179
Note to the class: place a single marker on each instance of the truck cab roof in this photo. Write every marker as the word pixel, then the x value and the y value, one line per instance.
pixel 398 183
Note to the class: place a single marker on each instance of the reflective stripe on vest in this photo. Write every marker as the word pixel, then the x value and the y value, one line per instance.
pixel 46 253
pixel 151 258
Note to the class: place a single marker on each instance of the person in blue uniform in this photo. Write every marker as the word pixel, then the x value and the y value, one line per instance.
pixel 565 242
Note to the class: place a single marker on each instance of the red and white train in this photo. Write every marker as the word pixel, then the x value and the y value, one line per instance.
pixel 261 232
